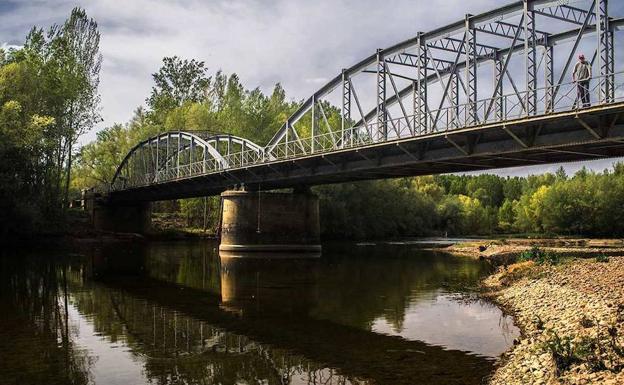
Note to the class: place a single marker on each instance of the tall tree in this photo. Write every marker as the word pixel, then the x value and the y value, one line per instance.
pixel 68 59
pixel 79 40
pixel 176 82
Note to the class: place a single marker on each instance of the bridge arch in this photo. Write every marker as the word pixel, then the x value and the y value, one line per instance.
pixel 180 154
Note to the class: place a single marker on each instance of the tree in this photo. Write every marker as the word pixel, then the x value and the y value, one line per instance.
pixel 176 82
pixel 78 41
pixel 69 62
pixel 506 215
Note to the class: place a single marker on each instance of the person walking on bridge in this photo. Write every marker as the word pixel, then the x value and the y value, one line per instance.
pixel 581 76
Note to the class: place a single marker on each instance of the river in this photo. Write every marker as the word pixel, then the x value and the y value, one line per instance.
pixel 177 313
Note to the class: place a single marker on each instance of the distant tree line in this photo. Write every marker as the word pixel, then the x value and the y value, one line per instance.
pixel 588 204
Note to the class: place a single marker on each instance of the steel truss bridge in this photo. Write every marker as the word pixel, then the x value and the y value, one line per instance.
pixel 493 90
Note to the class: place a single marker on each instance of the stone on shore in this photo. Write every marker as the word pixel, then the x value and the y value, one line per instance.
pixel 572 312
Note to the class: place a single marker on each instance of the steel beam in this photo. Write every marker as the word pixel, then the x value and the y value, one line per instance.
pixel 566 13
pixel 382 115
pixel 314 125
pixel 549 76
pixel 504 29
pixel 454 91
pixel 499 72
pixel 605 49
pixel 346 105
pixel 471 70
pixel 530 55
pixel 421 109
pixel 456 45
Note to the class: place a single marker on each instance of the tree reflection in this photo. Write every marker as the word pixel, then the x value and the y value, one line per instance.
pixel 37 343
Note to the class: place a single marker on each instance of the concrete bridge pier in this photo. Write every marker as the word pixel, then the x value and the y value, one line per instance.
pixel 255 221
pixel 118 217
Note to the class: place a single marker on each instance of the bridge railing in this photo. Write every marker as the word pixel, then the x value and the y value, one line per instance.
pixel 500 109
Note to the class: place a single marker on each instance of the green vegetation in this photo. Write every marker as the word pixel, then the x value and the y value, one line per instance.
pixel 49 97
pixel 563 352
pixel 539 256
pixel 602 258
pixel 603 351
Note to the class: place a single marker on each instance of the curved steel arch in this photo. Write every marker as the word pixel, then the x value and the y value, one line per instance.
pixel 180 154
pixel 515 24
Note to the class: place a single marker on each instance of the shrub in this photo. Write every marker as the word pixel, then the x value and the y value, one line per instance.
pixel 602 352
pixel 539 256
pixel 602 258
pixel 563 352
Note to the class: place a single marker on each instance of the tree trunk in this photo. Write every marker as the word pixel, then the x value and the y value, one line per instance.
pixel 68 175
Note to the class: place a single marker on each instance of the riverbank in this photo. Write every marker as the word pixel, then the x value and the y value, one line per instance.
pixel 506 251
pixel 572 319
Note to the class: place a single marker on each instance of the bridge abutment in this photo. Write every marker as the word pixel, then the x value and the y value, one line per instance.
pixel 256 221
pixel 119 217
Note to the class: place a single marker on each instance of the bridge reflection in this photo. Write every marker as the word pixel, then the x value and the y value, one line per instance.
pixel 180 314
pixel 263 319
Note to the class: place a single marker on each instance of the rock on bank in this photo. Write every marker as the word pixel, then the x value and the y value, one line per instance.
pixel 572 318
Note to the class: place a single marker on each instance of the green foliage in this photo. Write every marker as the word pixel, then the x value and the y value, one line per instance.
pixel 601 351
pixel 539 256
pixel 602 258
pixel 48 98
pixel 563 352
pixel 176 82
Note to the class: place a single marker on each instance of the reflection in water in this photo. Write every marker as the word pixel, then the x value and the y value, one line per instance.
pixel 175 313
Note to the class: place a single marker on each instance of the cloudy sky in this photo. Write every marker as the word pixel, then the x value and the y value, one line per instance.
pixel 300 44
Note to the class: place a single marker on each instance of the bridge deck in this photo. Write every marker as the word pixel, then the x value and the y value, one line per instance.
pixel 591 133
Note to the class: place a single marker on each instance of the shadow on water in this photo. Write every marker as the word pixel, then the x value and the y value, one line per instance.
pixel 184 315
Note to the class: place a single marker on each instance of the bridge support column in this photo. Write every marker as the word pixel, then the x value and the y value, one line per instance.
pixel 270 222
pixel 119 217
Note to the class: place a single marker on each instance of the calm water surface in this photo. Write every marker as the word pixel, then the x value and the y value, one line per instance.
pixel 177 313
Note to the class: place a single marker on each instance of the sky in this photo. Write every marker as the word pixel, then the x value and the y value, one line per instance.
pixel 300 44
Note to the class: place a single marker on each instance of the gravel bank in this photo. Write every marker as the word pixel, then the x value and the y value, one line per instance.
pixel 572 318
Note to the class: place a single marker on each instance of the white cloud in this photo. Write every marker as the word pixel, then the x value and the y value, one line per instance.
pixel 297 43
pixel 7 46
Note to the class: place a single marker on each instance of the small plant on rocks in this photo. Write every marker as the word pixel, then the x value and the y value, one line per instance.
pixel 562 351
pixel 602 352
pixel 590 350
pixel 538 322
pixel 586 322
pixel 602 258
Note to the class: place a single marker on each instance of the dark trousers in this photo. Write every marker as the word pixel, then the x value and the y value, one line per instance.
pixel 583 92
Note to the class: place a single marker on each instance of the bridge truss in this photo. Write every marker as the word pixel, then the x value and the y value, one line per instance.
pixel 174 155
pixel 509 65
